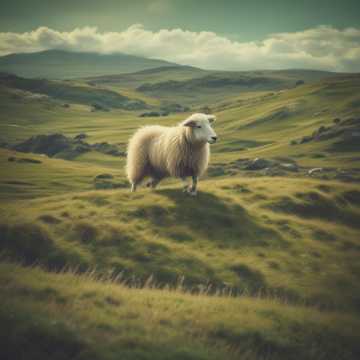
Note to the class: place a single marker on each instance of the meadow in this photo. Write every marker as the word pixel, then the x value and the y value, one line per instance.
pixel 262 264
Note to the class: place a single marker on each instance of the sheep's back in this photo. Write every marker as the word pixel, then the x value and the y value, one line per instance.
pixel 174 155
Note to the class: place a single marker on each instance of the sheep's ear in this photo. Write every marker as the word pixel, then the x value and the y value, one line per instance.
pixel 211 118
pixel 190 123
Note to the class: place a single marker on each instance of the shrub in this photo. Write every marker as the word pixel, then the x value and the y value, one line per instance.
pixel 27 242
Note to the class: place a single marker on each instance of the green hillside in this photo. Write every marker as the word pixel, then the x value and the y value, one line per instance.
pixel 72 92
pixel 59 64
pixel 154 75
pixel 262 264
pixel 196 86
pixel 75 317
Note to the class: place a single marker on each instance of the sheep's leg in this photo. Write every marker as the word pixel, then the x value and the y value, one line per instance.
pixel 133 187
pixel 153 182
pixel 185 184
pixel 192 189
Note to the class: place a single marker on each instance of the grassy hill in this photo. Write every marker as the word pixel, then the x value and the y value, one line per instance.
pixel 261 265
pixel 59 64
pixel 195 86
pixel 250 244
pixel 72 92
pixel 77 317
pixel 154 75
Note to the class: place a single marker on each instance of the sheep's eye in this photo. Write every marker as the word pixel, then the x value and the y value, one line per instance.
pixel 199 127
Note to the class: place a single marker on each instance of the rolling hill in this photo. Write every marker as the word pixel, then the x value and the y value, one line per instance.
pixel 154 75
pixel 59 64
pixel 71 92
pixel 261 265
pixel 194 86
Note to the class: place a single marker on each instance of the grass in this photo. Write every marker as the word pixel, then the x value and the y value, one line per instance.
pixel 72 316
pixel 250 243
pixel 285 247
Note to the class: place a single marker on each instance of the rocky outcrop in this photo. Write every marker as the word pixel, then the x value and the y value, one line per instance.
pixel 346 134
pixel 61 146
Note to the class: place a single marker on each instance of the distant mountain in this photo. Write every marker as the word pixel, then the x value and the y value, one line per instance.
pixel 59 64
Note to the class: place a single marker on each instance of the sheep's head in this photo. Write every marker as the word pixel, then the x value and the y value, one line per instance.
pixel 200 125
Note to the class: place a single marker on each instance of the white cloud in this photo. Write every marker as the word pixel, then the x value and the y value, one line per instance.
pixel 323 47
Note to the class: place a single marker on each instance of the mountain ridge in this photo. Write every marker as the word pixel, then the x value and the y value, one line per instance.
pixel 61 64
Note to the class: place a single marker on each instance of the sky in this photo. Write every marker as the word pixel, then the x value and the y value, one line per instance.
pixel 228 34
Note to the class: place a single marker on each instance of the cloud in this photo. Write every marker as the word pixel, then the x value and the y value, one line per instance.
pixel 323 47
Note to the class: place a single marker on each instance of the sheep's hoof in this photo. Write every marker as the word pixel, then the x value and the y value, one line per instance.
pixel 152 183
pixel 192 192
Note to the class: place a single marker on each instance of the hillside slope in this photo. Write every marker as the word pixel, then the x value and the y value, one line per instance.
pixel 195 86
pixel 246 233
pixel 75 317
pixel 275 225
pixel 71 92
pixel 154 75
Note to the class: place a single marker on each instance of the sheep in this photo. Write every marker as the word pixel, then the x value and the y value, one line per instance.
pixel 180 151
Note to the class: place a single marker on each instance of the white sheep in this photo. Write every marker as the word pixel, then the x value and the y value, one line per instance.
pixel 179 151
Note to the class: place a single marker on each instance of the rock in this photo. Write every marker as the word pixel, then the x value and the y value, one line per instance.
pixel 58 145
pixel 103 176
pixel 347 133
pixel 12 158
pixel 44 144
pixel 150 114
pixel 98 107
pixel 289 167
pixel 81 136
pixel 28 160
pixel 108 149
pixel 259 164
pixel 83 147
pixel 306 139
pixel 315 171
pixel 300 82
pixel 154 114
pixel 275 171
